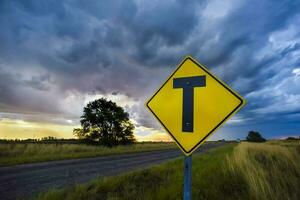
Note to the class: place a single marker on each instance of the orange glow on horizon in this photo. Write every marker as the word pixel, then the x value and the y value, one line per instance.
pixel 154 137
pixel 19 129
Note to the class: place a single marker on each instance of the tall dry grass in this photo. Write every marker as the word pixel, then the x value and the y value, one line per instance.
pixel 269 171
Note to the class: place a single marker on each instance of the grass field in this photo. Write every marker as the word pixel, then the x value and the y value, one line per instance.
pixel 18 153
pixel 243 171
pixel 270 171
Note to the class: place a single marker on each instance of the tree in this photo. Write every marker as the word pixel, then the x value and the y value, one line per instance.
pixel 254 136
pixel 292 138
pixel 106 123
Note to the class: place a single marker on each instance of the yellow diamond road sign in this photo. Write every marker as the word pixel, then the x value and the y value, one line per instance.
pixel 192 103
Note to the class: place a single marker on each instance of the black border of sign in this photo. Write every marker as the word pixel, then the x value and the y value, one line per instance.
pixel 220 123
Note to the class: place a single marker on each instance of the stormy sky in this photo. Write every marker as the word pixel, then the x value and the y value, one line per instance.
pixel 55 56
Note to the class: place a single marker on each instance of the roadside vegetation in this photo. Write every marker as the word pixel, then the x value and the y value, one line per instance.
pixel 235 171
pixel 285 143
pixel 270 171
pixel 12 153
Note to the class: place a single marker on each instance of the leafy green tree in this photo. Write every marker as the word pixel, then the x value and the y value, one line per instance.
pixel 105 122
pixel 254 136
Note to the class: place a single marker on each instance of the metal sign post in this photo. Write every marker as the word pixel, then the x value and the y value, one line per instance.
pixel 199 102
pixel 187 189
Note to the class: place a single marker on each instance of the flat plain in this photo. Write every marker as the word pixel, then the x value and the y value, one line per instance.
pixel 264 171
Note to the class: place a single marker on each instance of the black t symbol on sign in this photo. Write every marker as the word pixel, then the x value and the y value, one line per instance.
pixel 188 84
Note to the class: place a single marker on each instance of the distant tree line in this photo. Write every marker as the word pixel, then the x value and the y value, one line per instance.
pixel 255 136
pixel 45 140
pixel 293 138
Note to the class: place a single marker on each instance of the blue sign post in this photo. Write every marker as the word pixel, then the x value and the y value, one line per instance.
pixel 180 87
pixel 187 184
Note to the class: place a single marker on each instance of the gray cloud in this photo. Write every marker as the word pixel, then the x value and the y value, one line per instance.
pixel 53 50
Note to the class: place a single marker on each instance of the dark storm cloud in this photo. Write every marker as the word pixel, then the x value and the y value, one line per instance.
pixel 52 51
pixel 19 95
pixel 39 82
pixel 242 33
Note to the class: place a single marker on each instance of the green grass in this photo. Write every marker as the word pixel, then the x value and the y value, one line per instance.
pixel 286 143
pixel 18 153
pixel 244 171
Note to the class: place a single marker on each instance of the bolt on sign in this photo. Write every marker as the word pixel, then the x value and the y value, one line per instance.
pixel 192 104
